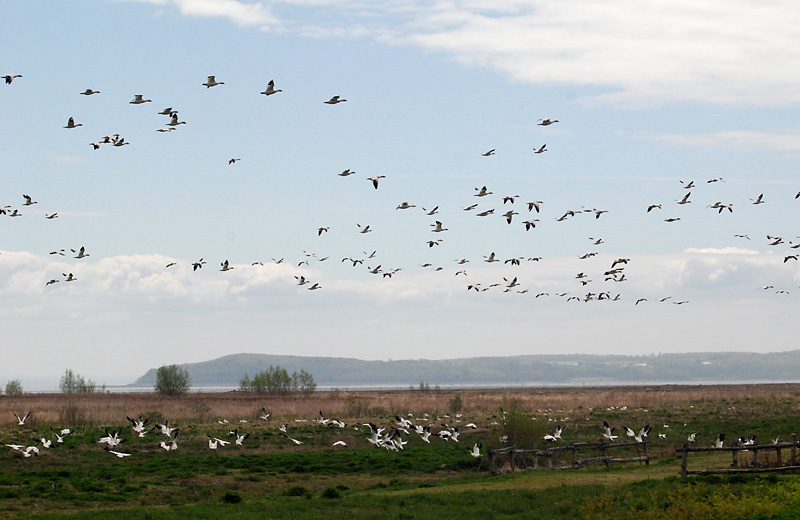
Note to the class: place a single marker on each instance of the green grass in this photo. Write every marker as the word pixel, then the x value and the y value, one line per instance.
pixel 271 478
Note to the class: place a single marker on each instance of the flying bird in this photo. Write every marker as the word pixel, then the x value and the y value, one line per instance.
pixel 89 92
pixel 212 82
pixel 10 77
pixel 375 180
pixel 271 89
pixel 138 99
pixel 334 100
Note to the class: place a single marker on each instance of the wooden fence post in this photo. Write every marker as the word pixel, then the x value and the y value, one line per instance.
pixel 574 457
pixel 755 462
pixel 794 449
pixel 606 457
pixel 644 450
pixel 684 459
pixel 735 461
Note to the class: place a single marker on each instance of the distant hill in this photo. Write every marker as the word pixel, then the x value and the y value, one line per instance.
pixel 541 370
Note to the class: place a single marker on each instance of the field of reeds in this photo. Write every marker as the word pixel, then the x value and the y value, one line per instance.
pixel 315 479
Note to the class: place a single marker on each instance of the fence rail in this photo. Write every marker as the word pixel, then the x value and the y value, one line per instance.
pixel 573 448
pixel 756 465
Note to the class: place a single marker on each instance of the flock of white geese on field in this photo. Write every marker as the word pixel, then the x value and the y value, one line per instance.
pixel 614 274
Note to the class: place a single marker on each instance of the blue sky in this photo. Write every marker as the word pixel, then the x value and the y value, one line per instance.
pixel 646 97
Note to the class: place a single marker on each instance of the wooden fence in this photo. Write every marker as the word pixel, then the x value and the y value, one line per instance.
pixel 517 458
pixel 756 465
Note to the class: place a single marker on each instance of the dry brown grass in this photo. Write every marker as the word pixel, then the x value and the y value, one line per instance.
pixel 110 408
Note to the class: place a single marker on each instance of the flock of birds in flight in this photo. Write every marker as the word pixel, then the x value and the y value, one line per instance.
pixel 613 274
pixel 393 437
pixel 389 438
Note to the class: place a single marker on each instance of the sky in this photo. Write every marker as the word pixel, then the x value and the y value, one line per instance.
pixel 648 98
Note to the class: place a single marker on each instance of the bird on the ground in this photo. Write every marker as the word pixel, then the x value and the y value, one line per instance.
pixel 271 89
pixel 719 441
pixel 212 82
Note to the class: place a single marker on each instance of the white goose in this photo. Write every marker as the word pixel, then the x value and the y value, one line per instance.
pixel 476 450
pixel 10 77
pixel 138 99
pixel 21 420
pixel 212 82
pixel 271 89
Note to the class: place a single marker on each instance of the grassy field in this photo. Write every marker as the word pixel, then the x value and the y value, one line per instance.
pixel 269 476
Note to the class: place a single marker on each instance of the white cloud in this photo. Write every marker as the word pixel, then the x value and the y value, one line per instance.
pixel 241 13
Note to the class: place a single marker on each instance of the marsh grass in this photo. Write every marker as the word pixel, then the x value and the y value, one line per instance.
pixel 439 479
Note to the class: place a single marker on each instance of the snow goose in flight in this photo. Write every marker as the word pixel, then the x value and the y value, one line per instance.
pixel 555 436
pixel 57 252
pixel 10 77
pixel 51 216
pixel 298 443
pixel 608 432
pixel 759 200
pixel 534 204
pixel 405 205
pixel 547 121
pixel 470 208
pixel 271 89
pixel 541 149
pixel 168 112
pixel 69 277
pixel 89 92
pixel 482 192
pixel 138 99
pixel 491 258
pixel 437 227
pixel 510 198
pixel 80 253
pixel 530 223
pixel 509 215
pixel 487 154
pixel 476 450
pixel 364 229
pixel 431 212
pixel 314 287
pixel 174 121
pixel 21 420
pixel 214 442
pixel 334 100
pixel 212 82
pixel 685 199
pixel 52 281
pixel 28 200
pixel 225 266
pixel 672 219
pixel 687 185
pixel 651 207
pixel 233 160
pixel 240 437
pixel 71 123
pixel 485 213
pixel 375 180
